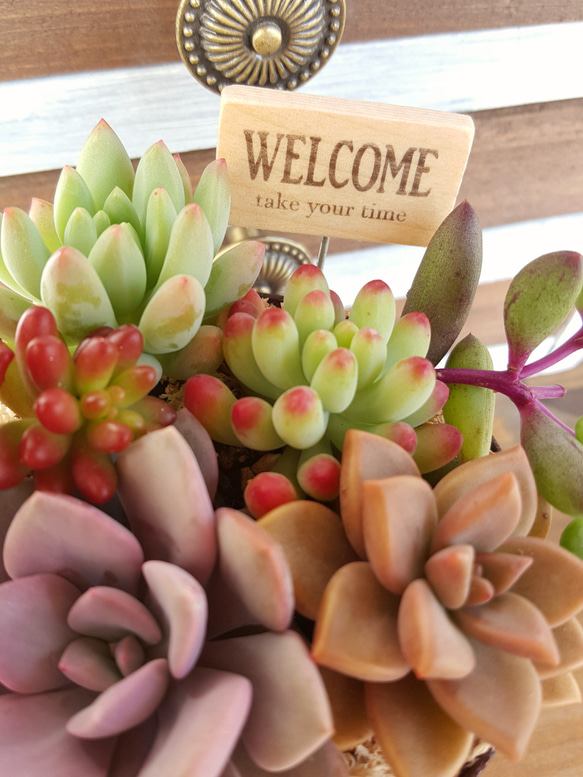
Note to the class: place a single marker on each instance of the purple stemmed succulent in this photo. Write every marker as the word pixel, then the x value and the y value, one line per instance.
pixel 161 650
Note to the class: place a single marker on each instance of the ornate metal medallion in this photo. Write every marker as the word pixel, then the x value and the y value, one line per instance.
pixel 273 43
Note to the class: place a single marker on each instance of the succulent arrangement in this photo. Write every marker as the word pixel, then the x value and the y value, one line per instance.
pixel 124 247
pixel 395 582
pixel 428 597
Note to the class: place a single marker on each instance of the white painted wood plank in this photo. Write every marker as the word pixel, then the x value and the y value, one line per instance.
pixel 506 249
pixel 44 121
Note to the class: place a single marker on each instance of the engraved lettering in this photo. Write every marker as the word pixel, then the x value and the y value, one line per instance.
pixel 421 169
pixel 312 164
pixel 375 171
pixel 404 164
pixel 262 159
pixel 290 156
pixel 334 161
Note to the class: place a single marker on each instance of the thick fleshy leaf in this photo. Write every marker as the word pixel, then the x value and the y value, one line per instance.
pixel 551 563
pixel 173 314
pixel 299 417
pixel 190 248
pixel 538 299
pixel 41 213
pixel 303 722
pixel 399 392
pixel 211 401
pixel 556 458
pixel 32 732
pixel 499 701
pixel 120 264
pixel 157 168
pixel 447 279
pixel 356 630
pixel 437 444
pixel 71 192
pixel 200 719
pixel 417 737
pixel 484 517
pixel 123 705
pixel 181 605
pixel 81 231
pixel 569 639
pixel 160 217
pixel 11 499
pixel 73 539
pixel 33 611
pixel 129 654
pixel 23 251
pixel 104 163
pixel 366 456
pixel 204 353
pixel 118 209
pixel 213 195
pixel 88 662
pixel 399 518
pixel 351 724
pixel 202 446
pixel 327 761
pixel 12 306
pixel 304 280
pixel 450 571
pixel 73 291
pixel 511 623
pixel 180 529
pixel 238 351
pixel 374 307
pixel 502 569
pixel 233 273
pixel 252 581
pixel 109 614
pixel 433 646
pixel 132 748
pixel 315 546
pixel 465 478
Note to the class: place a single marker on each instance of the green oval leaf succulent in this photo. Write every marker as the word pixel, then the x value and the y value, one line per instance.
pixel 556 459
pixel 471 408
pixel 127 235
pixel 24 253
pixel 447 278
pixel 538 300
pixel 104 164
pixel 74 293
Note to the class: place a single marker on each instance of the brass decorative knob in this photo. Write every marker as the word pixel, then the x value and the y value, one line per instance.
pixel 273 43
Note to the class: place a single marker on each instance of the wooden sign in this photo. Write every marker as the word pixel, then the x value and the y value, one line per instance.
pixel 341 168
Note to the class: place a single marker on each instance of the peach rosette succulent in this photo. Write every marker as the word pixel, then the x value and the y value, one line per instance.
pixel 437 620
pixel 123 652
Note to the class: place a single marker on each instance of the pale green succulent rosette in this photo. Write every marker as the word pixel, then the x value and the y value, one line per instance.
pixel 119 246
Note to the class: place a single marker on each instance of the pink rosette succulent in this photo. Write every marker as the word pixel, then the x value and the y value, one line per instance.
pixel 111 663
pixel 436 619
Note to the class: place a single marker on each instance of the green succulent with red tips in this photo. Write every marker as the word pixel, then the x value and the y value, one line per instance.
pixel 77 411
pixel 311 372
pixel 119 247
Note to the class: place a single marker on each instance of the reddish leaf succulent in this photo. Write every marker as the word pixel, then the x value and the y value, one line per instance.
pixel 456 622
pixel 76 411
pixel 141 667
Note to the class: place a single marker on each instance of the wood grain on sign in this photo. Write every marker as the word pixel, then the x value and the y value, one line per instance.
pixel 343 168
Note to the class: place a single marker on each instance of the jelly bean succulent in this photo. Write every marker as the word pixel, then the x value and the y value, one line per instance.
pixel 122 653
pixel 76 411
pixel 119 247
pixel 310 371
pixel 437 618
